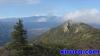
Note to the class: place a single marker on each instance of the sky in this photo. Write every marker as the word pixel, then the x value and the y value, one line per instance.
pixel 66 8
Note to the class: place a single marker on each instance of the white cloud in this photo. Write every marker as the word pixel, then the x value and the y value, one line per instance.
pixel 32 1
pixel 41 20
pixel 5 2
pixel 86 15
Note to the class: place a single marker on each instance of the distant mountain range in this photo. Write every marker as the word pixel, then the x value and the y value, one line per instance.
pixel 72 36
pixel 35 26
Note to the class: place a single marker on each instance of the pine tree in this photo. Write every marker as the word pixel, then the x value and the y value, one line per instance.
pixel 19 34
pixel 19 42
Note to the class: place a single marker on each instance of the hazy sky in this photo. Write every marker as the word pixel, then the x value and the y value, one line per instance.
pixel 21 8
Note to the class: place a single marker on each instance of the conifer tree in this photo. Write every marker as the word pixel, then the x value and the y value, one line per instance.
pixel 19 34
pixel 19 42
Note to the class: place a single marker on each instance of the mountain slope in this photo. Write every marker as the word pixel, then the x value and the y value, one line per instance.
pixel 73 35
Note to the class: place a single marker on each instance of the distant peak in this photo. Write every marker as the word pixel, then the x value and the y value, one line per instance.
pixel 71 26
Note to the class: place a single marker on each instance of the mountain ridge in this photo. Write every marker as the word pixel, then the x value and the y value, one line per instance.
pixel 79 36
